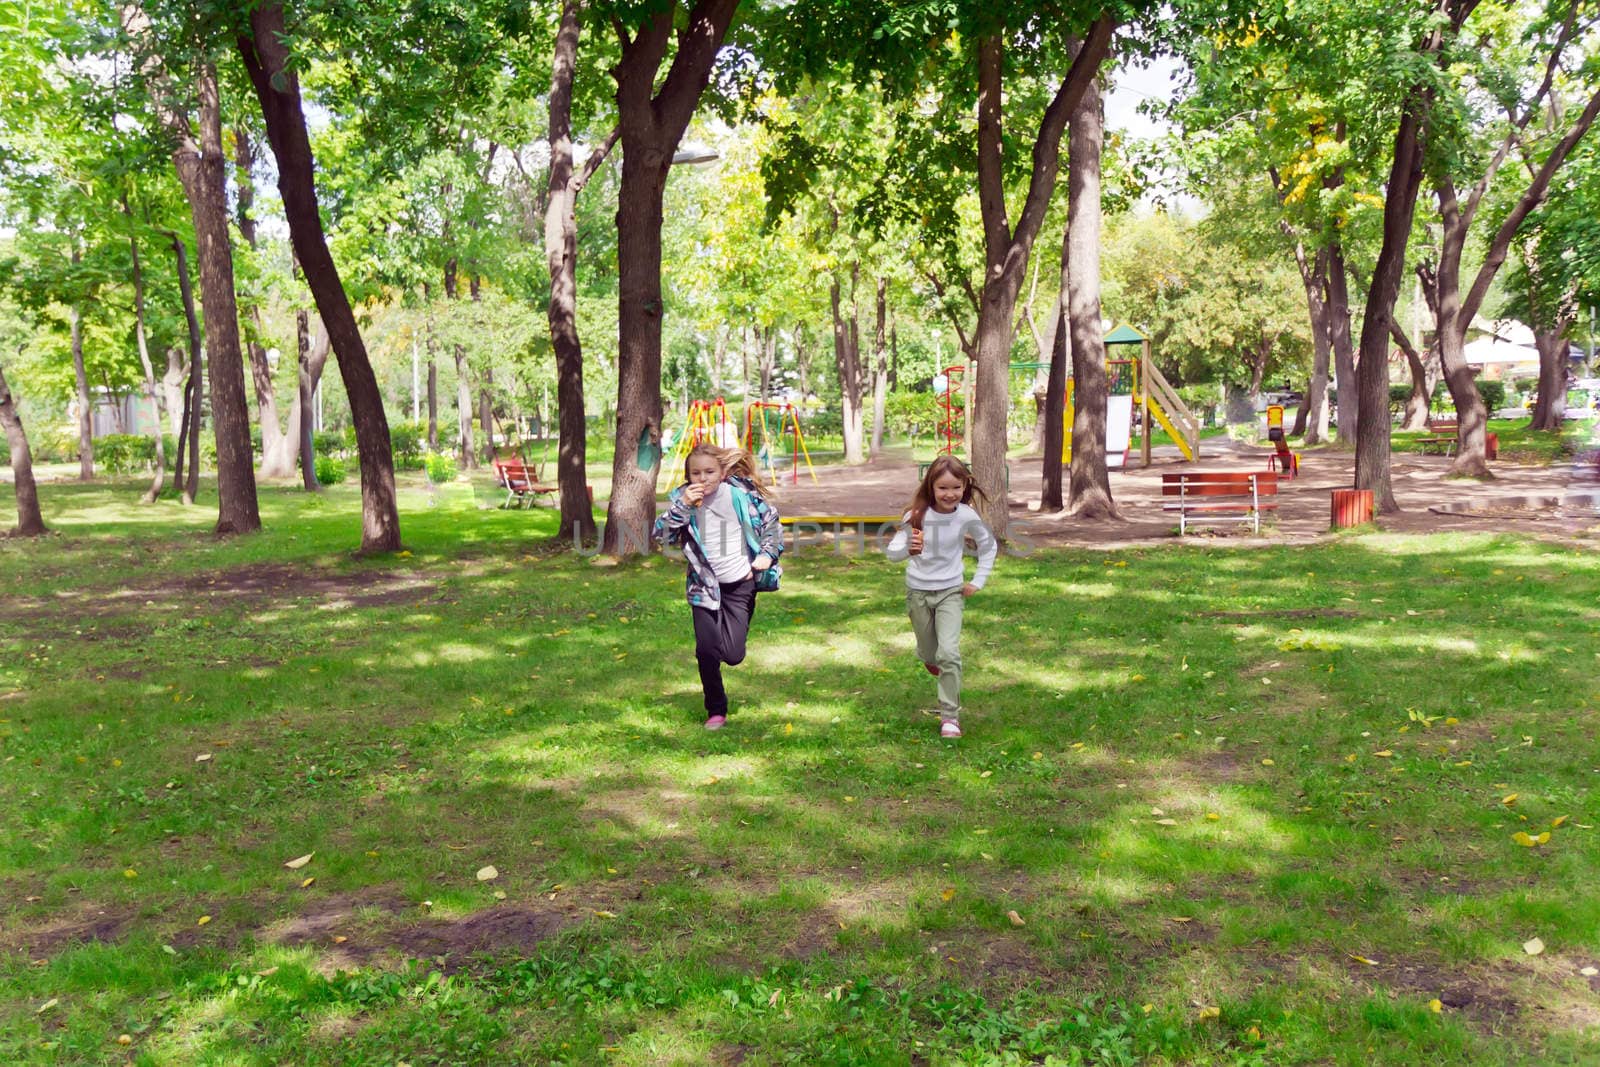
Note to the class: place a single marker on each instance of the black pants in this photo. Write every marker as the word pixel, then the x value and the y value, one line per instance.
pixel 720 636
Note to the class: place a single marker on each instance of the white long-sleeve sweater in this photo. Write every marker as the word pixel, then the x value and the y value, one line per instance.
pixel 940 564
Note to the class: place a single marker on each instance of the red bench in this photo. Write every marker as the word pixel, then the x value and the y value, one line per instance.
pixel 1219 496
pixel 521 483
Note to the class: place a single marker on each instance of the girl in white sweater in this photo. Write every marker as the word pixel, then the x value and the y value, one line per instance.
pixel 934 540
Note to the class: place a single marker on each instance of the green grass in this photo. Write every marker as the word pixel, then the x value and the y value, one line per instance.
pixel 1206 780
pixel 1518 444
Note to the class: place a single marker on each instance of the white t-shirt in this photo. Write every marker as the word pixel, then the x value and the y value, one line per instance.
pixel 940 564
pixel 722 536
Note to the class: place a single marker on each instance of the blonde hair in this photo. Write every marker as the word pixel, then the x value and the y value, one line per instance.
pixel 729 461
pixel 942 465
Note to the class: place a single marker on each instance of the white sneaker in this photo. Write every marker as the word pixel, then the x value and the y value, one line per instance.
pixel 949 729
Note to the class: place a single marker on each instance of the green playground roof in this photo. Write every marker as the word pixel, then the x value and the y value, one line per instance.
pixel 1125 335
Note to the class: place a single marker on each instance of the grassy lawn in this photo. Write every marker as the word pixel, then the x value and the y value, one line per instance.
pixel 1518 444
pixel 1213 806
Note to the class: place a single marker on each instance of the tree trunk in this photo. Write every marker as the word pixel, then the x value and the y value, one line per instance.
pixel 1423 376
pixel 880 374
pixel 561 255
pixel 1090 488
pixel 1006 250
pixel 486 414
pixel 1348 407
pixel 847 359
pixel 201 170
pixel 309 366
pixel 1399 208
pixel 1313 425
pixel 433 381
pixel 30 523
pixel 1550 406
pixel 1055 399
pixel 142 339
pixel 189 436
pixel 464 444
pixel 85 405
pixel 277 88
pixel 652 123
pixel 172 389
pixel 277 446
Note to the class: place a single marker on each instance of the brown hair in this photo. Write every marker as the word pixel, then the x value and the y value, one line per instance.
pixel 730 461
pixel 941 466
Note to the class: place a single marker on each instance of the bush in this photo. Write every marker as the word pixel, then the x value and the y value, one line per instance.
pixel 1491 391
pixel 408 440
pixel 123 453
pixel 329 471
pixel 327 443
pixel 53 446
pixel 440 467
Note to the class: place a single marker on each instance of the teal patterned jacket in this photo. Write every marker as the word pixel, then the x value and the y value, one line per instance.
pixel 678 525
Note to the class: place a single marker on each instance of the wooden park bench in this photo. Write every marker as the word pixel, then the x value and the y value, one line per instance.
pixel 1441 436
pixel 521 483
pixel 1219 496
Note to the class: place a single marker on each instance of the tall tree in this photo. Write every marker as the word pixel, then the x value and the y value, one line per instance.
pixel 1459 210
pixel 561 251
pixel 277 86
pixel 1006 248
pixel 652 122
pixel 1090 491
pixel 201 169
pixel 30 522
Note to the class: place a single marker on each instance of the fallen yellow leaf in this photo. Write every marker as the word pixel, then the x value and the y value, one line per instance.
pixel 1213 816
pixel 299 861
pixel 1557 821
pixel 1016 920
pixel 1435 1005
pixel 130 873
pixel 1362 959
pixel 1383 753
pixel 308 882
pixel 948 894
pixel 487 874
pixel 605 914
pixel 1510 798
pixel 203 920
pixel 1209 1013
pixel 1533 946
pixel 1269 762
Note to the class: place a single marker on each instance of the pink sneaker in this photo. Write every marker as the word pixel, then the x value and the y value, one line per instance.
pixel 716 722
pixel 949 729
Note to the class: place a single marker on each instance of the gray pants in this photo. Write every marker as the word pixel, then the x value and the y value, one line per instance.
pixel 936 620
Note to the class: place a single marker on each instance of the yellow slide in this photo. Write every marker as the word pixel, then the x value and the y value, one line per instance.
pixel 1155 410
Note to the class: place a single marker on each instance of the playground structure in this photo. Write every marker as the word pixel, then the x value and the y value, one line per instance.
pixel 1283 459
pixel 788 416
pixel 709 420
pixel 1132 385
pixel 1149 394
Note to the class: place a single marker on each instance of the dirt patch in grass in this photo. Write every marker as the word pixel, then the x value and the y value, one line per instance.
pixel 250 586
pixel 88 923
pixel 1483 997
pixel 508 930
